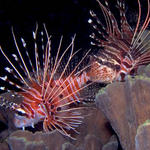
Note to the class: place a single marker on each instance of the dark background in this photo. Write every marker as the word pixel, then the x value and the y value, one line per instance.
pixel 62 17
pixel 65 17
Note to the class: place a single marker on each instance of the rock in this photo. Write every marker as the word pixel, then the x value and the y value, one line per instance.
pixel 3 135
pixel 144 71
pixel 95 124
pixel 2 119
pixel 142 137
pixel 126 105
pixel 26 140
pixel 92 143
pixel 112 144
pixel 68 146
pixel 4 146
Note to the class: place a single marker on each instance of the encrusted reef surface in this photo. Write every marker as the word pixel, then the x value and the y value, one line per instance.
pixel 127 107
pixel 120 121
pixel 142 137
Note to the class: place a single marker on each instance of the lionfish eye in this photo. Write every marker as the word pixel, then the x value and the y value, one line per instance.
pixel 20 112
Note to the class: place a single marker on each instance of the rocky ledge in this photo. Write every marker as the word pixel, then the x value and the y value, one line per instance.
pixel 127 107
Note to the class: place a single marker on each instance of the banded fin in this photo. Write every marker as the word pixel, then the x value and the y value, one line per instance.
pixel 21 70
pixel 126 30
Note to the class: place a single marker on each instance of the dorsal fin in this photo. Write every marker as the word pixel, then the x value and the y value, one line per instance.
pixel 111 33
pixel 126 30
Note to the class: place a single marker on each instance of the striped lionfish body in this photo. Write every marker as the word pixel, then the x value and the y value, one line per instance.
pixel 47 95
pixel 122 49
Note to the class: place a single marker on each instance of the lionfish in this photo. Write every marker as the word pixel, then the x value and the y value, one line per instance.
pixel 50 92
pixel 122 49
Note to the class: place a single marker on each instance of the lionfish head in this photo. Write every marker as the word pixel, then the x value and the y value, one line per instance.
pixel 22 119
pixel 119 44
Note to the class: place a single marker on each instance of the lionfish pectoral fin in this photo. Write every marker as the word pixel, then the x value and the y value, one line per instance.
pixel 62 128
pixel 47 125
pixel 59 126
pixel 65 131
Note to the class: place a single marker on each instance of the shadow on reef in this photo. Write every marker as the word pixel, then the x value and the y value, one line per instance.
pixel 120 119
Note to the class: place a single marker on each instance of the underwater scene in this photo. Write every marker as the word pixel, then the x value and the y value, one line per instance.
pixel 75 75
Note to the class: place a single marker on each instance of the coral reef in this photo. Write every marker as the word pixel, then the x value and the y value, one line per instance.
pixel 112 144
pixel 142 137
pixel 127 105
